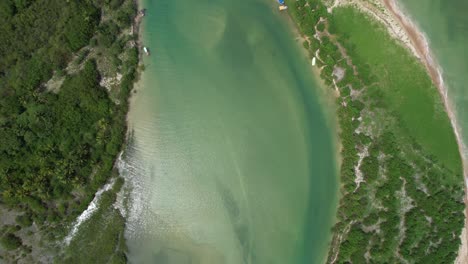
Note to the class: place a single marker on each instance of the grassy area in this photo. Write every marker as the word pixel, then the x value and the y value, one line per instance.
pixel 404 81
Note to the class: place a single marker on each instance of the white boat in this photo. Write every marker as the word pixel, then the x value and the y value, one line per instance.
pixel 313 61
pixel 146 50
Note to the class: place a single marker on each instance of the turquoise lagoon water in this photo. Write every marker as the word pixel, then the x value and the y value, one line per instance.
pixel 232 157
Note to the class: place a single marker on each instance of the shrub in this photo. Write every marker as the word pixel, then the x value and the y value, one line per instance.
pixel 10 241
pixel 24 220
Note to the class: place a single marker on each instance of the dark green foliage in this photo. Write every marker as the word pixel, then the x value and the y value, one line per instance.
pixel 22 4
pixel 356 239
pixel 57 148
pixel 10 242
pixel 52 143
pixel 80 28
pixel 321 27
pixel 7 8
pixel 40 36
pixel 107 33
pixel 345 91
pixel 24 220
pixel 125 14
pixel 370 168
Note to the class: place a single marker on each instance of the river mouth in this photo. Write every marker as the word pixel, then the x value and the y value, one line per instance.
pixel 231 159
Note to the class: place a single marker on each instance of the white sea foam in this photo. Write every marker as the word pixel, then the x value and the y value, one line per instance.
pixel 119 204
pixel 133 172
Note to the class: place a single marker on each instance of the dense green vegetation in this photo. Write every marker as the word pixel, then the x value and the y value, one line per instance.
pixel 402 190
pixel 10 241
pixel 58 144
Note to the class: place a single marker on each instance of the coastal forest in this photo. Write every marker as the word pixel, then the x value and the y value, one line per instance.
pixel 66 71
pixel 401 172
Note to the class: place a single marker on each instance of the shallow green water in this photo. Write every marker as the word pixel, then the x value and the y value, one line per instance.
pixel 231 159
pixel 445 24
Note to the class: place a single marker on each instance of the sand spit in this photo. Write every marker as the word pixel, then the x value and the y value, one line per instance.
pixel 421 45
pixel 401 27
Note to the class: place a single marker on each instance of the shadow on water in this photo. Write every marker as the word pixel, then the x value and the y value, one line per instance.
pixel 322 174
pixel 234 38
pixel 241 228
pixel 171 256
